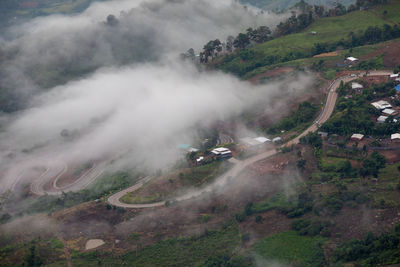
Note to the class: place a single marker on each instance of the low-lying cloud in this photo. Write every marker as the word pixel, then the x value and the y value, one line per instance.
pixel 117 90
pixel 140 112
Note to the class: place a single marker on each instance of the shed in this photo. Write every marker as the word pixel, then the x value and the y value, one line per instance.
pixel 323 134
pixel 397 87
pixel 394 75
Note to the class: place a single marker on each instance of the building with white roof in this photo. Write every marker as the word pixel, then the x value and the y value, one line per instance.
pixel 381 104
pixel 199 160
pixel 222 152
pixel 357 137
pixel 389 111
pixel 394 75
pixel 277 140
pixel 248 141
pixel 395 136
pixel 351 59
pixel 381 119
pixel 252 142
pixel 262 140
pixel 356 86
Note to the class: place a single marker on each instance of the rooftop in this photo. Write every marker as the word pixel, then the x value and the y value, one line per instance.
pixel 221 149
pixel 356 86
pixel 262 139
pixel 389 111
pixel 395 136
pixel 381 104
pixel 382 118
pixel 352 58
pixel 357 136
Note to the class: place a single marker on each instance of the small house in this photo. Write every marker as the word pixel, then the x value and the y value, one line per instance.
pixel 277 140
pixel 381 104
pixel 381 119
pixel 395 137
pixel 357 137
pixel 222 152
pixel 389 112
pixel 394 76
pixel 356 86
pixel 351 60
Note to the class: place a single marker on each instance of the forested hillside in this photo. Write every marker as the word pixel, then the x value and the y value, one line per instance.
pixel 283 4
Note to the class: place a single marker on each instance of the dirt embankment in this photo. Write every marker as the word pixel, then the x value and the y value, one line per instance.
pixel 390 52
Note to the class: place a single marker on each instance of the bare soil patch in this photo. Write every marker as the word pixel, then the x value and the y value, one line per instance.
pixel 353 223
pixel 271 73
pixel 272 222
pixel 94 243
pixel 330 54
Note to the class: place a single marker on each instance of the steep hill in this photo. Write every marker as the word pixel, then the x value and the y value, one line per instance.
pixel 283 4
pixel 331 32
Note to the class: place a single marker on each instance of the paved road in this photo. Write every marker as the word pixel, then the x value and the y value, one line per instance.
pixel 115 199
pixel 240 165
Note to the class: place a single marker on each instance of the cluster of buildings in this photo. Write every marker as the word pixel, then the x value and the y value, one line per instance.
pixel 386 109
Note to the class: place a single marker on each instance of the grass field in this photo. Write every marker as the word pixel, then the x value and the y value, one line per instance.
pixel 201 174
pixel 393 11
pixel 291 248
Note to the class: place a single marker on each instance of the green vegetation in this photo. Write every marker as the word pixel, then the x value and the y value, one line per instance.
pixel 298 119
pixel 291 248
pixel 37 252
pixel 372 250
pixel 353 115
pixel 213 248
pixel 284 4
pixel 294 206
pixel 100 188
pixel 30 9
pixel 311 227
pixel 190 251
pixel 197 176
pixel 134 198
pixel 201 174
pixel 350 30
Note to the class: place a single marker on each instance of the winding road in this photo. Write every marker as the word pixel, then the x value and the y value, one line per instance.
pixel 50 170
pixel 240 165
